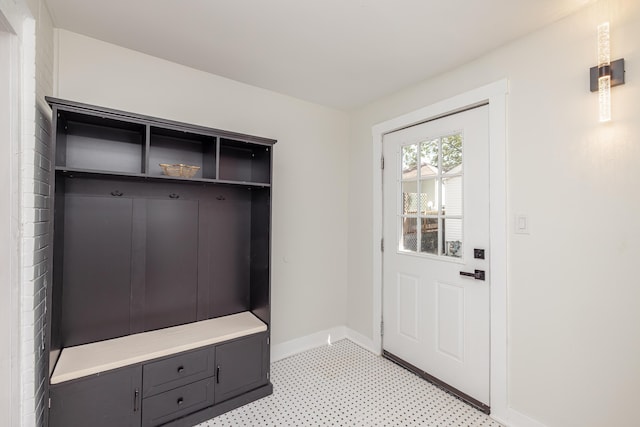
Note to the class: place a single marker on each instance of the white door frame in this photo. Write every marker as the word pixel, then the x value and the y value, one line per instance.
pixel 10 219
pixel 496 95
pixel 18 20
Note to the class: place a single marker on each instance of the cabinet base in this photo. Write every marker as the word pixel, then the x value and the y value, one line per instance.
pixel 222 407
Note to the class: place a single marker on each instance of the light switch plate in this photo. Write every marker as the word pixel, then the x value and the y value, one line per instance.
pixel 522 224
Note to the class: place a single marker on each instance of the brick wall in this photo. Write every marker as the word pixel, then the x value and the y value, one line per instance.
pixel 36 269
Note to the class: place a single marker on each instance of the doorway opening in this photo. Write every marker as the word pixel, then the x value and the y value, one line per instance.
pixel 495 96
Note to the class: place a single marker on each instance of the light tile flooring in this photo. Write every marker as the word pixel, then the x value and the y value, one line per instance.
pixel 345 385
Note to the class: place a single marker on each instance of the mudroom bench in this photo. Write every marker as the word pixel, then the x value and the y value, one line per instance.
pixel 180 374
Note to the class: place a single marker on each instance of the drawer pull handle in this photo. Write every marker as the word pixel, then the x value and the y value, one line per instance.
pixel 136 395
pixel 218 375
pixel 180 369
pixel 180 401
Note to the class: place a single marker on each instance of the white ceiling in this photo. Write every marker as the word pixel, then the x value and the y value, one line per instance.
pixel 338 53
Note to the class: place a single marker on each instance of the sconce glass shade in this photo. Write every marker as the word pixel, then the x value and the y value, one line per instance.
pixel 604 79
pixel 604 49
pixel 604 96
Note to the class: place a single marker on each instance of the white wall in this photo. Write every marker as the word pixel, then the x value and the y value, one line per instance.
pixel 574 322
pixel 309 250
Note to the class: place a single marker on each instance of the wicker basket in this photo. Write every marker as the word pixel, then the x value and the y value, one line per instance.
pixel 179 169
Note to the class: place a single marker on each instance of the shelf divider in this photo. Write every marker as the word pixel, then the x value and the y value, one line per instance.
pixel 147 146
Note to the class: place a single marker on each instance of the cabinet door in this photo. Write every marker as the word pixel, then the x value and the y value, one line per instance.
pixel 171 286
pixel 103 400
pixel 96 277
pixel 241 366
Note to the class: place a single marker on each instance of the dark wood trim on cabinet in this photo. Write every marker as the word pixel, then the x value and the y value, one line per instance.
pixel 155 121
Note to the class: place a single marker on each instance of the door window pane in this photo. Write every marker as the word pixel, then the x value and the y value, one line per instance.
pixel 451 152
pixel 409 241
pixel 429 196
pixel 410 161
pixel 452 196
pixel 410 200
pixel 452 237
pixel 429 236
pixel 429 158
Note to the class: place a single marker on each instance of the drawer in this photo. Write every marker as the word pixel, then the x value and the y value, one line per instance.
pixel 172 404
pixel 178 370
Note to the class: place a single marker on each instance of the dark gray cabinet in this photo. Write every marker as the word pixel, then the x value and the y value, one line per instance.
pixel 89 141
pixel 171 261
pixel 178 370
pixel 173 404
pixel 158 391
pixel 129 265
pixel 96 268
pixel 240 366
pixel 105 400
pixel 135 250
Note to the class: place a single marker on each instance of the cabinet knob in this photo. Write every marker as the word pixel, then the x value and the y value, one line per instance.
pixel 180 401
pixel 180 369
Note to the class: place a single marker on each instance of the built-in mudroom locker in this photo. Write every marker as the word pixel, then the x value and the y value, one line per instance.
pixel 159 307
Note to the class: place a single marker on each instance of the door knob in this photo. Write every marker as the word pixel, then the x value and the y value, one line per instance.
pixel 477 274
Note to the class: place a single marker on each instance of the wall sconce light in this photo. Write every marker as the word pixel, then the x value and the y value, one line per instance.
pixel 606 74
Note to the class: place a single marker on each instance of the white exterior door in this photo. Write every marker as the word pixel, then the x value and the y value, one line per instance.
pixel 435 213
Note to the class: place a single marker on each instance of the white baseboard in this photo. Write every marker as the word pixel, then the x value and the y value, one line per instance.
pixel 318 339
pixel 513 418
pixel 298 345
pixel 361 340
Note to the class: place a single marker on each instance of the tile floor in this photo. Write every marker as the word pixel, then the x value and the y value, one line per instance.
pixel 346 385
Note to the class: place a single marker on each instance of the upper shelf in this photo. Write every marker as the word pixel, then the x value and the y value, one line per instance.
pixel 92 173
pixel 96 140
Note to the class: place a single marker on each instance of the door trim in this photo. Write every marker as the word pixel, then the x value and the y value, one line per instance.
pixel 10 260
pixel 495 94
pixel 17 20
